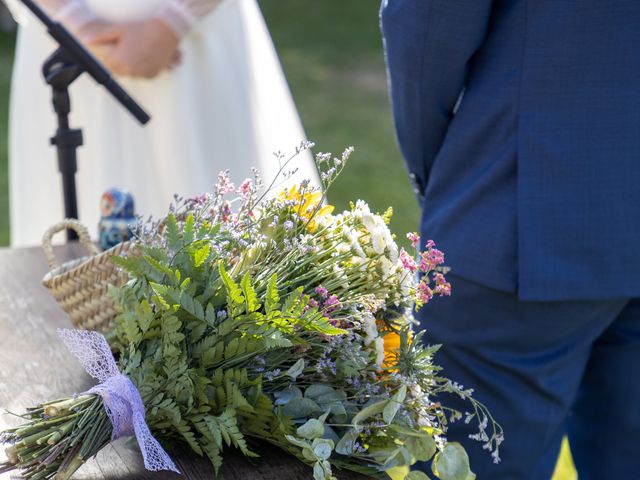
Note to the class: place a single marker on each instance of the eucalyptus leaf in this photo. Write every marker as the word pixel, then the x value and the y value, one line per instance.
pixel 399 457
pixel 296 369
pixel 346 445
pixel 422 448
pixel 318 390
pixel 330 434
pixel 313 428
pixel 407 431
pixel 301 408
pixel 452 463
pixel 309 454
pixel 338 411
pixel 322 448
pixel 416 475
pixel 370 411
pixel 318 472
pixel 298 442
pixel 285 396
pixel 394 404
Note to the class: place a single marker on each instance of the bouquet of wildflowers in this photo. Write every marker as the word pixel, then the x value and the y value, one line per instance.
pixel 251 317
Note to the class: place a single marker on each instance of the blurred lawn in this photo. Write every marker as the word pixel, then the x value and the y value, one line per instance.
pixel 6 58
pixel 331 52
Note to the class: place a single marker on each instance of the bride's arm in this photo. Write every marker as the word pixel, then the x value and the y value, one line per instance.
pixel 181 15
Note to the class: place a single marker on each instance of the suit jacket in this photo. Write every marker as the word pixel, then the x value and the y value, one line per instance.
pixel 533 185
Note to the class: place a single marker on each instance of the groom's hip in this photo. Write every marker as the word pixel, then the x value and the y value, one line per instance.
pixel 532 364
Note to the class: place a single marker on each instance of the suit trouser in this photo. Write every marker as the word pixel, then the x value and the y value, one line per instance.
pixel 544 369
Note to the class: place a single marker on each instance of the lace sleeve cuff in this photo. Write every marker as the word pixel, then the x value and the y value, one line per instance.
pixel 74 15
pixel 182 15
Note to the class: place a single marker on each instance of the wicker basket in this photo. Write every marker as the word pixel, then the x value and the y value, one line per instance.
pixel 81 286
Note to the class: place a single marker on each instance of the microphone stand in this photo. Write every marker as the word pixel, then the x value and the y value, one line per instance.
pixel 60 70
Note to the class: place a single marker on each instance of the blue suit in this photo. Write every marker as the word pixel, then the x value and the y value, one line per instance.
pixel 520 124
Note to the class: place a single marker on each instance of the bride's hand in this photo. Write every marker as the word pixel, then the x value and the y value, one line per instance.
pixel 140 49
pixel 92 30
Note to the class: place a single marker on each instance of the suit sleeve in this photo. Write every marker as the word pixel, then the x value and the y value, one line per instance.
pixel 428 46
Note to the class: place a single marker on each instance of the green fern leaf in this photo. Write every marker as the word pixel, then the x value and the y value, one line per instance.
pixel 251 299
pixel 235 298
pixel 172 233
pixel 272 299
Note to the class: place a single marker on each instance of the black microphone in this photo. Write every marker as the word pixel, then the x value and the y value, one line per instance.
pixel 87 62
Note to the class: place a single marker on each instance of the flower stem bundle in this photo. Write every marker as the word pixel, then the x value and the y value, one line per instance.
pixel 59 438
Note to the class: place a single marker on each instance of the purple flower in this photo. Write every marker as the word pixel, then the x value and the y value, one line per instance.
pixel 321 291
pixel 331 304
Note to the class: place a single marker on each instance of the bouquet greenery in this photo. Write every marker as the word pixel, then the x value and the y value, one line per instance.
pixel 271 318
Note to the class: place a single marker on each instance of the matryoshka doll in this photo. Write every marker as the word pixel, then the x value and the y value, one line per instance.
pixel 116 217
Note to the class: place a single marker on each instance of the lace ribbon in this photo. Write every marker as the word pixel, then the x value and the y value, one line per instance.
pixel 120 396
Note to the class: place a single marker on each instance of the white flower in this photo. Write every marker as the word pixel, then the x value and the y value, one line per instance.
pixel 391 245
pixel 386 266
pixel 379 351
pixel 416 391
pixel 423 422
pixel 361 209
pixel 342 247
pixel 352 236
pixel 370 221
pixel 370 328
pixel 378 241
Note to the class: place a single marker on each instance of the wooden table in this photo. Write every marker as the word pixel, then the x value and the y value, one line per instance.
pixel 35 367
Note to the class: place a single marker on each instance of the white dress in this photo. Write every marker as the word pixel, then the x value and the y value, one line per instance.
pixel 227 106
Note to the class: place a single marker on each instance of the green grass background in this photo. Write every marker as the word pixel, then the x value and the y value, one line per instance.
pixel 332 55
pixel 6 58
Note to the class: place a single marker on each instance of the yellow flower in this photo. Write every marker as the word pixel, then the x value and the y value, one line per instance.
pixel 307 202
pixel 391 348
pixel 391 345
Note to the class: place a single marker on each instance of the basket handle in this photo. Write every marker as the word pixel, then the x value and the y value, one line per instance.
pixel 71 224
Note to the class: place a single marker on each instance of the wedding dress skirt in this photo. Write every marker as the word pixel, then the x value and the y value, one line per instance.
pixel 226 106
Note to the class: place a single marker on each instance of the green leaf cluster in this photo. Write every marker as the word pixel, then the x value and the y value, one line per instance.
pixel 189 334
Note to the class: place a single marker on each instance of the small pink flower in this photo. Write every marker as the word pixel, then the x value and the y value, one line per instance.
pixel 244 190
pixel 408 263
pixel 414 238
pixel 199 200
pixel 444 290
pixel 226 211
pixel 431 259
pixel 425 294
pixel 439 279
pixel 224 184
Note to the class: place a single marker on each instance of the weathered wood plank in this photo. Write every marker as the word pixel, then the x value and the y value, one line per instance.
pixel 34 367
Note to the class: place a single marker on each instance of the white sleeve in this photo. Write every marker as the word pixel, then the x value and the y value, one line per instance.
pixel 73 14
pixel 182 15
